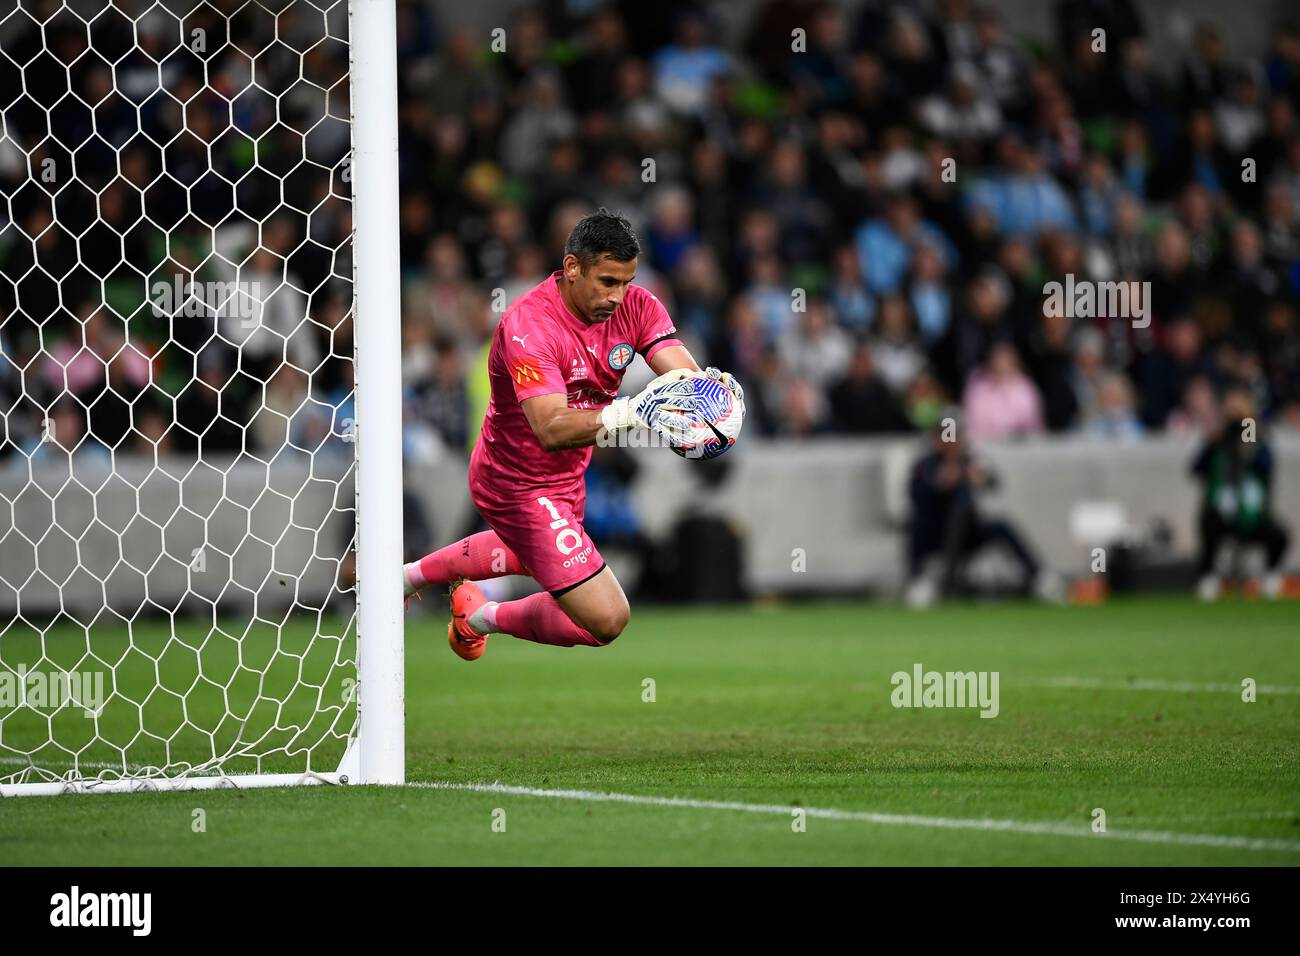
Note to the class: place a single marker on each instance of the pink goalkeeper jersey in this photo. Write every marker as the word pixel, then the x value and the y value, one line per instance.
pixel 541 347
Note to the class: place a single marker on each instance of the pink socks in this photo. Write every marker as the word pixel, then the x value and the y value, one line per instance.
pixel 539 618
pixel 482 555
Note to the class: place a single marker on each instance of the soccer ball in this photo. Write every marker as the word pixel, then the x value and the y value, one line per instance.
pixel 719 415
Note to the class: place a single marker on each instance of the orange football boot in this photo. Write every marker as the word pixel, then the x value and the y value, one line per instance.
pixel 466 598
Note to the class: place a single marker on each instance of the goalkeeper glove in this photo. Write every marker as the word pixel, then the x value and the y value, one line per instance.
pixel 646 409
pixel 729 380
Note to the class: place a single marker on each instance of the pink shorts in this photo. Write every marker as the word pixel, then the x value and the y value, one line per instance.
pixel 543 527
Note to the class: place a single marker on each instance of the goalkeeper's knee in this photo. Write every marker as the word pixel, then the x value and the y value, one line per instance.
pixel 608 624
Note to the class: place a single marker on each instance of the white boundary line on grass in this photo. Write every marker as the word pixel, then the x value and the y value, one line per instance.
pixel 887 819
pixel 864 816
pixel 1143 683
pixel 1265 815
pixel 62 762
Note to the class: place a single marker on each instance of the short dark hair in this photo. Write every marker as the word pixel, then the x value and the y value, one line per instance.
pixel 602 233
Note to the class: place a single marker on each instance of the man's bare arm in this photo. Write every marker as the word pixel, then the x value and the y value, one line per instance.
pixel 671 357
pixel 557 426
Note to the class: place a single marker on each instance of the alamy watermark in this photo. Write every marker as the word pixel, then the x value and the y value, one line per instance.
pixel 645 438
pixel 75 908
pixel 1085 299
pixel 233 299
pixel 39 690
pixel 922 688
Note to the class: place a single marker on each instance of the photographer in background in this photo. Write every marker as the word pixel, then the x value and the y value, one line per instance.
pixel 1236 467
pixel 946 522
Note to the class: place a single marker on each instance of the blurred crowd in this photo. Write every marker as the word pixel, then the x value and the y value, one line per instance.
pixel 861 229
pixel 175 257
pixel 797 221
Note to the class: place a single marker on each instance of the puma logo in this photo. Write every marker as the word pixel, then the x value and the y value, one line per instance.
pixel 515 338
pixel 590 349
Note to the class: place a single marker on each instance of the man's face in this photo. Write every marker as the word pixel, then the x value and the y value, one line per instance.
pixel 600 291
pixel 1237 406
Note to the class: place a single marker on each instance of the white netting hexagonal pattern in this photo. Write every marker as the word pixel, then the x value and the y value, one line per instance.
pixel 176 389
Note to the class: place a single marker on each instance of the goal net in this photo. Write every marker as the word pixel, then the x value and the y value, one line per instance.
pixel 180 497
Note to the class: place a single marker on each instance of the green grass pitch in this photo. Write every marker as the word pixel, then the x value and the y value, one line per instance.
pixel 1130 707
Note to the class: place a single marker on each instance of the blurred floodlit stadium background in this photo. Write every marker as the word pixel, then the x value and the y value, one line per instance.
pixel 767 154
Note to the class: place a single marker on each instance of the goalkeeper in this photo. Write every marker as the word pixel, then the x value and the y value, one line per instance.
pixel 557 359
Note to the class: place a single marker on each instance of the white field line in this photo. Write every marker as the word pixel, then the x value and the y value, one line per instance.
pixel 67 762
pixel 887 819
pixel 862 816
pixel 1093 683
pixel 1263 815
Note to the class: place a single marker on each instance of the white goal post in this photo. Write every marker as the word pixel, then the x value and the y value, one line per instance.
pixel 201 509
pixel 375 243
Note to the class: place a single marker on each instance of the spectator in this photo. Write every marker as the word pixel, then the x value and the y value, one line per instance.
pixel 269 324
pixel 1175 283
pixel 911 58
pixel 63 441
pixel 1130 247
pixel 1088 371
pixel 275 420
pixel 885 246
pixel 1050 362
pixel 1001 64
pixel 1142 92
pixel 594 76
pixel 964 115
pixel 152 434
pixel 1135 163
pixel 1199 158
pixel 770 296
pixel 1250 281
pixel 1198 413
pixel 672 231
pixel 441 400
pixel 861 403
pixel 701 292
pixel 685 69
pixel 1282 231
pixel 1025 198
pixel 987 319
pixel 1282 351
pixel 818 75
pixel 802 218
pixel 1239 117
pixel 1114 418
pixel 853 305
pixel 210 411
pixel 816 350
pixel 925 401
pixel 1166 372
pixel 1100 195
pixel 895 350
pixel 928 292
pixel 1001 401
pixel 1205 74
pixel 443 299
pixel 804 408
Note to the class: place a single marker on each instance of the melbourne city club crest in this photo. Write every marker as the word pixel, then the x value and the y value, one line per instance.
pixel 621 355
